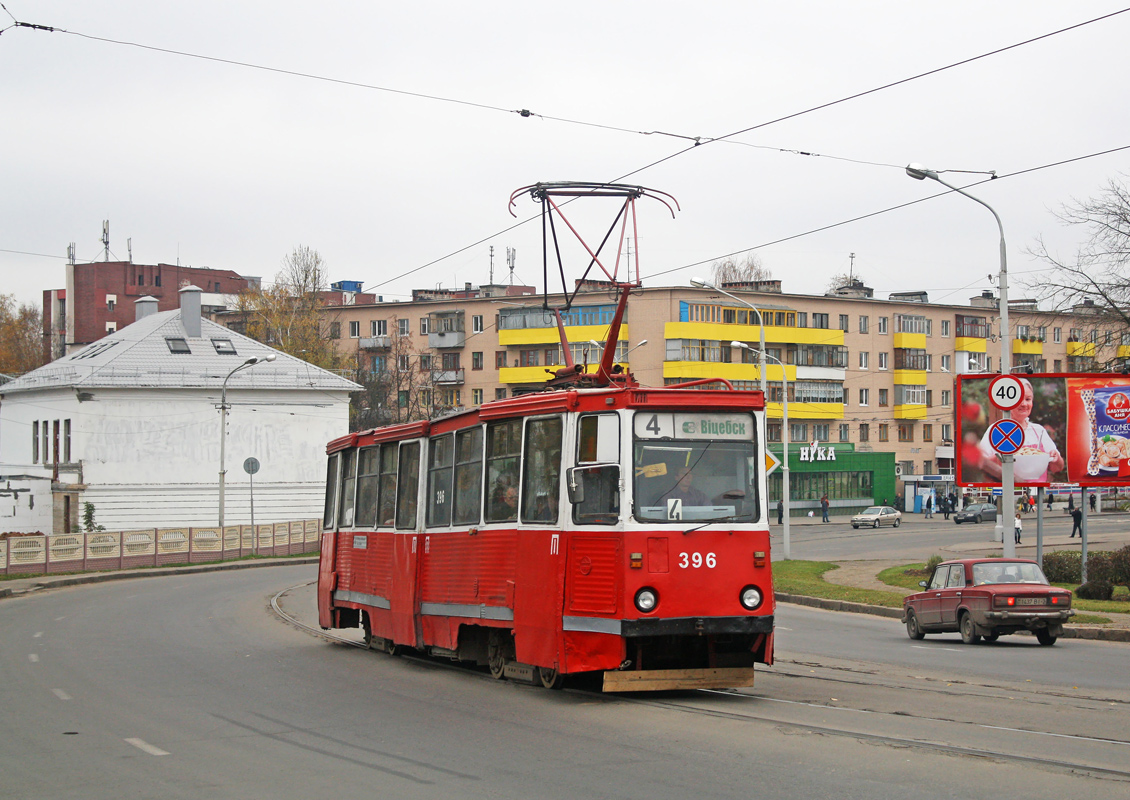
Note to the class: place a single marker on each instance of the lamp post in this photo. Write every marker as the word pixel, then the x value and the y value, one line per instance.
pixel 224 428
pixel 701 284
pixel 785 442
pixel 1008 483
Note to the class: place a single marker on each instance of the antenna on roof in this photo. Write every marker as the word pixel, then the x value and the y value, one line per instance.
pixel 106 239
pixel 490 281
pixel 511 257
pixel 129 247
pixel 71 254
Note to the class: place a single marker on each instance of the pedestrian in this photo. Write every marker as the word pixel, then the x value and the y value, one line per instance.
pixel 780 511
pixel 1071 502
pixel 1049 501
pixel 824 507
pixel 929 507
pixel 1094 502
pixel 945 502
pixel 1018 525
pixel 1076 523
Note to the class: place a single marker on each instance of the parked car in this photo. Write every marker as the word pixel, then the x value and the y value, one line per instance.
pixel 977 512
pixel 987 597
pixel 875 516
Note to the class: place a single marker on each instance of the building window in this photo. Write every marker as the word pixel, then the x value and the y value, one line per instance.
pixel 177 345
pixel 947 432
pixel 883 397
pixel 35 442
pixel 946 397
pixel 110 302
pixel 820 432
pixel 500 394
pixel 335 330
pixel 402 398
pixel 927 432
pixel 354 329
pixel 884 432
pixel 403 363
pixel 864 432
pixel 476 360
pixel 863 324
pixel 882 324
pixel 820 321
pixel 947 363
pixel 863 358
pixel 798 432
pixel 67 441
pixel 883 360
pixel 476 397
pixel 425 362
pixel 906 467
pixel 379 327
pixel 929 398
pixel 1057 335
pixel 157 279
pixel 111 327
pixel 927 467
pixel 1057 365
pixel 140 279
pixel 773 431
pixel 224 347
pixel 864 396
pixel 527 358
pixel 476 323
pixel 945 328
pixel 499 359
pixel 906 431
pixel 802 319
pixel 845 324
pixel 845 432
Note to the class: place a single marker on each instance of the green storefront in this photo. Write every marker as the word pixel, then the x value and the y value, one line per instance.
pixel 852 480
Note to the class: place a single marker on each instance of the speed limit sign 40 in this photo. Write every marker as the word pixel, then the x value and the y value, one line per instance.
pixel 1006 392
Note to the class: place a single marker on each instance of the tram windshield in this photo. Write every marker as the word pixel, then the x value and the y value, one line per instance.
pixel 689 466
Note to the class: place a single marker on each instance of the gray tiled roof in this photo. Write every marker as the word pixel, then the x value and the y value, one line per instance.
pixel 138 356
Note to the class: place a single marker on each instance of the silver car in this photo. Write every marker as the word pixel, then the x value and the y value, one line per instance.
pixel 877 516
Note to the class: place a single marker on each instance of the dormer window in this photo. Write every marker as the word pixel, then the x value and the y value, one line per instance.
pixel 224 347
pixel 177 345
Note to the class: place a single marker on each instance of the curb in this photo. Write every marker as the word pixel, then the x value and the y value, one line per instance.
pixel 1091 632
pixel 194 569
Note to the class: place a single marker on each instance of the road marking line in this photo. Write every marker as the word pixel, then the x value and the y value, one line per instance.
pixel 37 635
pixel 145 747
pixel 32 657
pixel 947 649
pixel 61 694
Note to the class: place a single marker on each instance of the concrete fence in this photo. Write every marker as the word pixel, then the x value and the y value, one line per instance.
pixel 152 547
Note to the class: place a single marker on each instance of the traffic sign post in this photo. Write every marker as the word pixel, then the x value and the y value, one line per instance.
pixel 251 466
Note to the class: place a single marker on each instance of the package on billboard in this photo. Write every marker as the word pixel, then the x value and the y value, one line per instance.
pixel 1099 428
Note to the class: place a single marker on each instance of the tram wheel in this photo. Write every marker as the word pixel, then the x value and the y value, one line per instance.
pixel 368 626
pixel 550 678
pixel 496 662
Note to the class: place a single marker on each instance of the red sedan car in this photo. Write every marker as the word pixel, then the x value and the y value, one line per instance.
pixel 988 597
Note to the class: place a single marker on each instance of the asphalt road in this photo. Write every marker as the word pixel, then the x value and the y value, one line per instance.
pixel 191 687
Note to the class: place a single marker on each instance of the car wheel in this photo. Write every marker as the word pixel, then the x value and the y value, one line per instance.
pixel 978 519
pixel 1045 638
pixel 968 629
pixel 854 526
pixel 875 524
pixel 956 521
pixel 898 522
pixel 992 637
pixel 912 628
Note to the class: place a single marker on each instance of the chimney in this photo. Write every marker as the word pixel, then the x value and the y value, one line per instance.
pixel 144 307
pixel 190 311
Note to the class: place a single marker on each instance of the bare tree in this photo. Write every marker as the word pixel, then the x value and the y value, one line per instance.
pixel 748 270
pixel 1095 279
pixel 398 385
pixel 842 279
pixel 21 336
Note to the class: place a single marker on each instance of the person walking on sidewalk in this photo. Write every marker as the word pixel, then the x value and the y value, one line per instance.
pixel 1076 523
pixel 780 511
pixel 824 508
pixel 1018 525
pixel 945 504
pixel 1094 500
pixel 929 508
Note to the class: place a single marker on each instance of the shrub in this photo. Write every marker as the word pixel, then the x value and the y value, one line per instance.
pixel 1063 566
pixel 1100 567
pixel 933 562
pixel 1120 566
pixel 1095 590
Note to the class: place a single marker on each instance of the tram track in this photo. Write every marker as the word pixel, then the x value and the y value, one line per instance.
pixel 692 704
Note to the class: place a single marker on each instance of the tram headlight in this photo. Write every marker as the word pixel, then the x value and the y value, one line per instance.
pixel 647 599
pixel 751 598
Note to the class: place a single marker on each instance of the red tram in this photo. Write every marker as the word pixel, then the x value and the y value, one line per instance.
pixel 599 527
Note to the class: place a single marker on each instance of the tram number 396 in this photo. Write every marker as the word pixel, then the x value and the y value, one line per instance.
pixel 697 560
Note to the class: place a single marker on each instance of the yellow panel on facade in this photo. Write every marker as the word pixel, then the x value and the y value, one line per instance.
pixel 690 370
pixel 911 341
pixel 523 375
pixel 718 331
pixel 1124 351
pixel 970 344
pixel 909 412
pixel 910 377
pixel 806 411
pixel 574 333
pixel 1081 349
pixel 1027 348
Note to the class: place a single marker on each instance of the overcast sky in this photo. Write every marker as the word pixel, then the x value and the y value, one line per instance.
pixel 220 165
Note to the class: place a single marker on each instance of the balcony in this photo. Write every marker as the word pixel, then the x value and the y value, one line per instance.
pixel 1028 347
pixel 1081 349
pixel 376 343
pixel 439 340
pixel 447 376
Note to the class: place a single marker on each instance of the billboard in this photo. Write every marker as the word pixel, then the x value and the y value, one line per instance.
pixel 1076 430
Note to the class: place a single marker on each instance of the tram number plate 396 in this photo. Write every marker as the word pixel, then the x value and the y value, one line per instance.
pixel 697 560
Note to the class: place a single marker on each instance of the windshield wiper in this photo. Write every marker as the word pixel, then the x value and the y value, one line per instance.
pixel 712 521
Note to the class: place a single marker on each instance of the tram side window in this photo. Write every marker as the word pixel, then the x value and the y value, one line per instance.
pixel 348 478
pixel 440 458
pixel 386 500
pixel 367 478
pixel 407 486
pixel 504 447
pixel 594 484
pixel 468 476
pixel 330 513
pixel 541 471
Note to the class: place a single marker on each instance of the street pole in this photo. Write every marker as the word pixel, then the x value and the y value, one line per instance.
pixel 224 427
pixel 700 283
pixel 1008 482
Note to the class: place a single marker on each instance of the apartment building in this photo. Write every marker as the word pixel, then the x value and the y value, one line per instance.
pixel 870 382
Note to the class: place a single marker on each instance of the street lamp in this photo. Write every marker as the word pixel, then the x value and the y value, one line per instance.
pixel 785 441
pixel 224 430
pixel 701 284
pixel 1008 483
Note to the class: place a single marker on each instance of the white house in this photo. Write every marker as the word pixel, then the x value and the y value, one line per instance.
pixel 131 424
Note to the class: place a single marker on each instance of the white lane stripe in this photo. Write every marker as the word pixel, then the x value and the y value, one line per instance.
pixel 32 657
pixel 145 747
pixel 37 635
pixel 61 694
pixel 947 649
